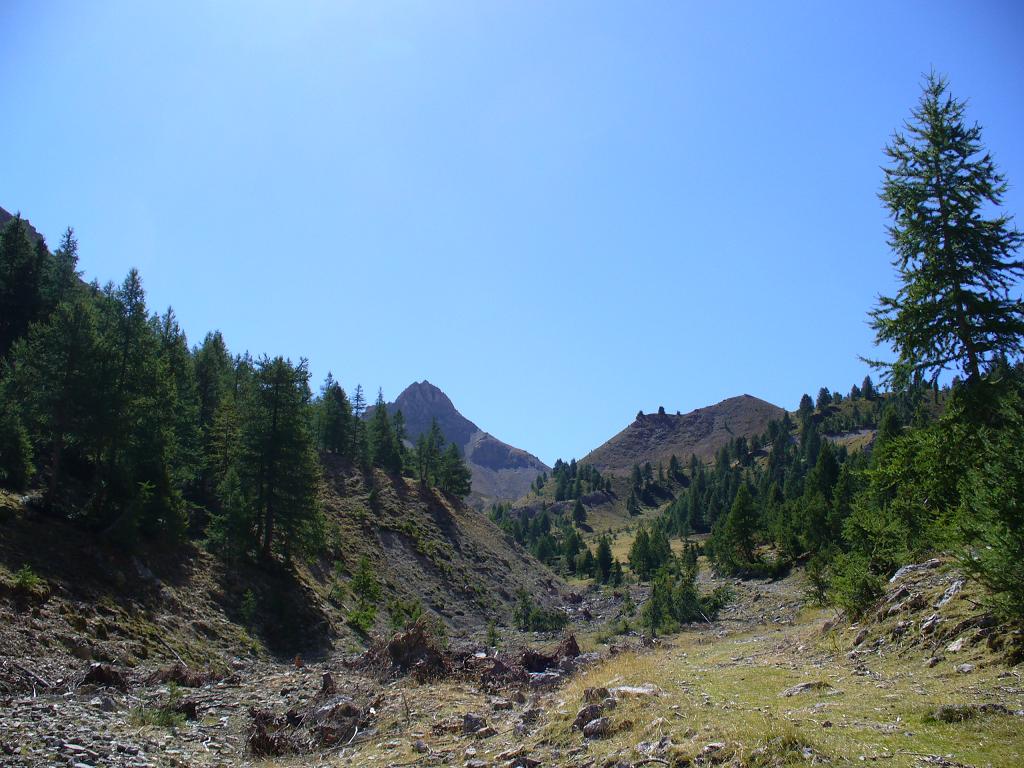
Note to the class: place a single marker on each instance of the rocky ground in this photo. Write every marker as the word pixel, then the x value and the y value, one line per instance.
pixel 923 681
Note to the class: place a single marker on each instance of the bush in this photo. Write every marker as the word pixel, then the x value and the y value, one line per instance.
pixel 248 608
pixel 404 613
pixel 25 579
pixel 362 618
pixel 854 586
pixel 166 716
pixel 819 577
pixel 530 617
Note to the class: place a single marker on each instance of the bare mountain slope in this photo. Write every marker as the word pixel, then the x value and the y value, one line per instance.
pixel 656 437
pixel 500 471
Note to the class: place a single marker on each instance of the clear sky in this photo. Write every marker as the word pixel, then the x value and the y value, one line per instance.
pixel 558 212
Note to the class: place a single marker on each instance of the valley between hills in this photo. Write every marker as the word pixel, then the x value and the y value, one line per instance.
pixel 148 659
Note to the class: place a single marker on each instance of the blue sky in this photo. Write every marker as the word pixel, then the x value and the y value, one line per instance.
pixel 558 212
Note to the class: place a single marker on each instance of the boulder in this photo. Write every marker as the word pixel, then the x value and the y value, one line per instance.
pixel 586 715
pixel 597 728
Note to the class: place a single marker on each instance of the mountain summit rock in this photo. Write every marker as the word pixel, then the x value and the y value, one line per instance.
pixel 501 472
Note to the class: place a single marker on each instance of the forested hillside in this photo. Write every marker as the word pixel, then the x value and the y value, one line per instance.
pixel 124 439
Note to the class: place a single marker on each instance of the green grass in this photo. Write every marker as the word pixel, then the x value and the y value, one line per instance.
pixel 729 691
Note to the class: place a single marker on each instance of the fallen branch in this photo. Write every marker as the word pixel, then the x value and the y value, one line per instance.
pixel 168 647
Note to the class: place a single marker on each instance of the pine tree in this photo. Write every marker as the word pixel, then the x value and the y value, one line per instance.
pixel 140 459
pixel 740 526
pixel 867 388
pixel 806 408
pixel 429 449
pixel 215 380
pixel 358 402
pixel 956 263
pixel 22 286
pixel 278 461
pixel 579 513
pixel 63 352
pixel 640 555
pixel 16 466
pixel 383 446
pixel 453 475
pixel 334 419
pixel 824 399
pixel 604 559
pixel 65 277
pixel 632 504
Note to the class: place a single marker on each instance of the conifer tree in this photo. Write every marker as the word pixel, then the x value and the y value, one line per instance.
pixel 63 352
pixel 824 399
pixel 740 525
pixel 956 261
pixel 674 469
pixel 335 419
pixel 867 388
pixel 632 504
pixel 215 378
pixel 579 513
pixel 604 559
pixel 22 286
pixel 65 277
pixel 278 462
pixel 454 476
pixel 383 449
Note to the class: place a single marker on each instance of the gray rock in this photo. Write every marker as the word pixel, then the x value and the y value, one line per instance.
pixel 814 685
pixel 906 570
pixel 472 723
pixel 950 593
pixel 601 726
pixel 587 714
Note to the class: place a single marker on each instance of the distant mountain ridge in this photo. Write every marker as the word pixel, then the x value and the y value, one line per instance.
pixel 501 472
pixel 32 232
pixel 656 437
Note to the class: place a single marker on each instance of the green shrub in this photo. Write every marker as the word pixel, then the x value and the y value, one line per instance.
pixel 403 613
pixel 248 608
pixel 25 579
pixel 362 618
pixel 819 577
pixel 855 587
pixel 530 617
pixel 166 716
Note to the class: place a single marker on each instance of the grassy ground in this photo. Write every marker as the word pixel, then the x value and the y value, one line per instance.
pixel 719 694
pixel 730 692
